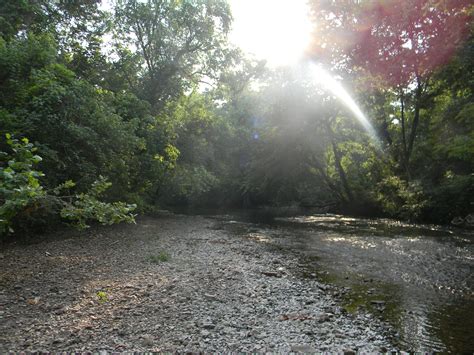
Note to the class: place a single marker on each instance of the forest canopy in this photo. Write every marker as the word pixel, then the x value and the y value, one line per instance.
pixel 106 112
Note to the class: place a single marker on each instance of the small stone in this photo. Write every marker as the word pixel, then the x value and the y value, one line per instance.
pixel 210 297
pixel 457 221
pixel 325 317
pixel 147 341
pixel 271 273
pixel 61 310
pixel 377 302
pixel 208 325
pixel 33 301
pixel 302 349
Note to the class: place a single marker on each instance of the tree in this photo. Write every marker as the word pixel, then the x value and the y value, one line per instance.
pixel 76 26
pixel 180 43
pixel 399 44
pixel 83 131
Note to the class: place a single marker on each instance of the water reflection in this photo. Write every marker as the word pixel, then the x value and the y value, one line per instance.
pixel 450 329
pixel 356 242
pixel 422 273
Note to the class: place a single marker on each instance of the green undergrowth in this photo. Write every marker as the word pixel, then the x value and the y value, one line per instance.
pixel 159 258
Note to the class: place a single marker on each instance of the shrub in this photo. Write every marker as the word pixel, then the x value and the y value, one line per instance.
pixel 401 199
pixel 161 257
pixel 20 189
pixel 87 206
pixel 22 195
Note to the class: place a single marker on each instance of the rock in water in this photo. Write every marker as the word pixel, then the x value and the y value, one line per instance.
pixel 469 219
pixel 457 221
pixel 378 302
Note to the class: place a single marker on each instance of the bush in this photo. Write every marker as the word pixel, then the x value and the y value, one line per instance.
pixel 20 189
pixel 451 197
pixel 401 199
pixel 87 206
pixel 188 184
pixel 22 195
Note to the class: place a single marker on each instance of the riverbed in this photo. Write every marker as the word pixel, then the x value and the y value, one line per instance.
pixel 172 283
pixel 242 283
pixel 418 278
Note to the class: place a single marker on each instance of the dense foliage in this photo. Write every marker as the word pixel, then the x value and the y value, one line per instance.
pixel 412 64
pixel 148 104
pixel 26 199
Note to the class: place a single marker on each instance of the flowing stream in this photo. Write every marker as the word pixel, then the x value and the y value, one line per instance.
pixel 418 278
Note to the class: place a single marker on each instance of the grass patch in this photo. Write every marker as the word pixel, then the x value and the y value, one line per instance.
pixel 359 297
pixel 102 296
pixel 162 257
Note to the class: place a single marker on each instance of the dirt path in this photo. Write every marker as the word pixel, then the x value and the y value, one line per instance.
pixel 113 289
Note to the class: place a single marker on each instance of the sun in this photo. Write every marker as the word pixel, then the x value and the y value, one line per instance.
pixel 275 30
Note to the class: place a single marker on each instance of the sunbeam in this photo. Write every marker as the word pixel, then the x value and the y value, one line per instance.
pixel 327 81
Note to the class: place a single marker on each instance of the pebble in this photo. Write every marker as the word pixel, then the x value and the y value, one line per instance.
pixel 208 325
pixel 147 341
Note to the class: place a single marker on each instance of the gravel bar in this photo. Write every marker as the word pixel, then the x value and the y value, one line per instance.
pixel 173 283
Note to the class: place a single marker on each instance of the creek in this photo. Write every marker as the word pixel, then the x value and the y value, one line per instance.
pixel 417 278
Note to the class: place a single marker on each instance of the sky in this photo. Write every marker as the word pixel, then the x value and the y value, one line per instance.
pixel 275 30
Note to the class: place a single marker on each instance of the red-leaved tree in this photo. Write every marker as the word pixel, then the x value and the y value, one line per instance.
pixel 397 44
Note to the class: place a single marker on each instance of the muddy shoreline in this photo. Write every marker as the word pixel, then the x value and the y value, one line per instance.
pixel 172 283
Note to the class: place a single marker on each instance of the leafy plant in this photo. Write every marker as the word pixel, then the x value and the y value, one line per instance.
pixel 22 193
pixel 401 199
pixel 102 296
pixel 20 189
pixel 161 257
pixel 87 206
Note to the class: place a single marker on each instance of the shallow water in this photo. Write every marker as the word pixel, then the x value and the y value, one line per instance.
pixel 416 277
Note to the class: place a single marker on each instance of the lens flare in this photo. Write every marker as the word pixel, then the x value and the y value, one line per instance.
pixel 327 81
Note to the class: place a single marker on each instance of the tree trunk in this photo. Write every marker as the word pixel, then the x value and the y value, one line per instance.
pixel 416 118
pixel 405 158
pixel 318 166
pixel 339 168
pixel 342 173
